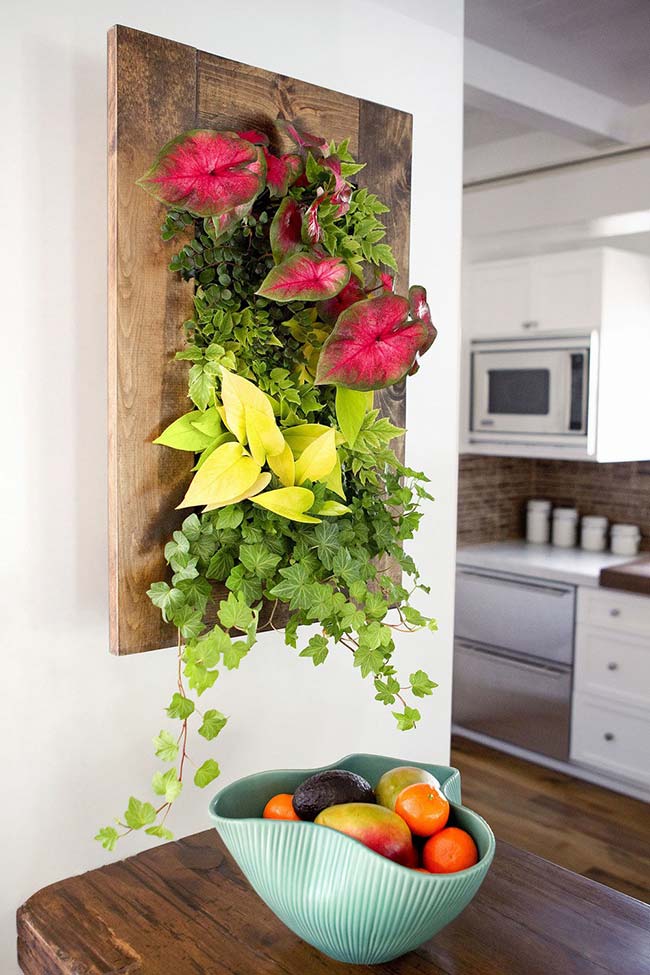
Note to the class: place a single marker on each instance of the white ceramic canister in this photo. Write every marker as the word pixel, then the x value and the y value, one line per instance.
pixel 593 533
pixel 538 521
pixel 625 539
pixel 565 527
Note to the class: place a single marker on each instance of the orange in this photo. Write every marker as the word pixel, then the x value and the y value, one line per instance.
pixel 449 850
pixel 280 807
pixel 423 808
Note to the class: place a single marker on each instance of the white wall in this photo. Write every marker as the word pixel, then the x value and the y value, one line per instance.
pixel 77 722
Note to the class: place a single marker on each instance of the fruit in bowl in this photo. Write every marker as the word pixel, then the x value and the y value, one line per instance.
pixel 351 883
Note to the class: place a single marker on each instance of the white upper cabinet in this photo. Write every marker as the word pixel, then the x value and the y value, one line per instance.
pixel 558 293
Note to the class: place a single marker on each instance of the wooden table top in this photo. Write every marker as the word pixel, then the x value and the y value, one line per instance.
pixel 630 576
pixel 185 909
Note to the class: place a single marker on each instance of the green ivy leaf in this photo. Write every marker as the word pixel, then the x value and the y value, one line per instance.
pixel 386 690
pixel 235 653
pixel 317 649
pixel 294 587
pixel 108 837
pixel 213 723
pixel 235 613
pixel 326 536
pixel 206 773
pixel 180 707
pixel 420 684
pixel 221 564
pixel 160 831
pixel 258 559
pixel 139 814
pixel 167 784
pixel 407 718
pixel 369 659
pixel 189 621
pixel 191 528
pixel 166 747
pixel 166 599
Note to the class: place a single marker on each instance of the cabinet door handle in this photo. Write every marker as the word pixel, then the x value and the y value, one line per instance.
pixel 608 736
pixel 614 612
pixel 612 666
pixel 531 324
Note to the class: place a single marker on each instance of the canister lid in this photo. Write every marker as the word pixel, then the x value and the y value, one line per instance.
pixel 565 514
pixel 595 521
pixel 539 504
pixel 626 530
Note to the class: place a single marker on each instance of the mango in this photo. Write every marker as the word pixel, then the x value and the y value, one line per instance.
pixel 377 827
pixel 392 782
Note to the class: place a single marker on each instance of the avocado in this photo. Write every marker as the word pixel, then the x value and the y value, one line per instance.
pixel 330 788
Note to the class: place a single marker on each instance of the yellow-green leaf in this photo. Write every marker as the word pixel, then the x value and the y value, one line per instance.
pixel 335 480
pixel 263 481
pixel 228 472
pixel 289 502
pixel 318 459
pixel 208 422
pixel 283 466
pixel 238 394
pixel 332 509
pixel 301 436
pixel 263 434
pixel 351 408
pixel 222 438
pixel 183 434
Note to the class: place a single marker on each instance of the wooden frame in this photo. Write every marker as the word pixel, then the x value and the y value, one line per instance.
pixel 157 89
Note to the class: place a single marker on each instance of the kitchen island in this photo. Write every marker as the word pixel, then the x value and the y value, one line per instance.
pixel 185 909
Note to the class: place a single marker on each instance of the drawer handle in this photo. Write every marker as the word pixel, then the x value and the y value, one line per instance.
pixel 612 666
pixel 614 612
pixel 608 736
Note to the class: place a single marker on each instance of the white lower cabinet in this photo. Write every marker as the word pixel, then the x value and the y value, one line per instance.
pixel 610 728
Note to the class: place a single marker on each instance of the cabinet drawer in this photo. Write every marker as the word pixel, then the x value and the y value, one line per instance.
pixel 616 665
pixel 612 739
pixel 616 610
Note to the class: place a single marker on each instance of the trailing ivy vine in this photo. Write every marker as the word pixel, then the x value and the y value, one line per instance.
pixel 297 494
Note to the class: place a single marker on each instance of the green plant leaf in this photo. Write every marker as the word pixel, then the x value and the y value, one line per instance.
pixel 167 599
pixel 351 408
pixel 317 649
pixel 160 831
pixel 206 773
pixel 294 587
pixel 167 784
pixel 183 434
pixel 235 653
pixel 407 718
pixel 213 723
pixel 108 837
pixel 139 814
pixel 166 747
pixel 189 621
pixel 258 559
pixel 420 683
pixel 235 613
pixel 180 707
pixel 369 659
pixel 386 690
pixel 288 502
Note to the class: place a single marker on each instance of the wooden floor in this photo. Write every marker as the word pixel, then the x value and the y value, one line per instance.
pixel 583 827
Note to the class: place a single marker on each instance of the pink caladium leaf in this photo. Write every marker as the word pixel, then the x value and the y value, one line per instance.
pixel 255 136
pixel 372 345
pixel 329 311
pixel 388 286
pixel 311 231
pixel 342 189
pixel 420 309
pixel 295 164
pixel 305 277
pixel 304 140
pixel 206 172
pixel 285 231
pixel 228 221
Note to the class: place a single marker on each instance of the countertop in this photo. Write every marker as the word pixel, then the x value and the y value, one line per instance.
pixel 630 577
pixel 185 907
pixel 571 565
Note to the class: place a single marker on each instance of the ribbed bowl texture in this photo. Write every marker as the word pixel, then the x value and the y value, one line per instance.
pixel 348 901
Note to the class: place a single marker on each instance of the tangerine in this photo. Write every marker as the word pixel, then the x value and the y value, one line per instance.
pixel 280 807
pixel 423 808
pixel 450 850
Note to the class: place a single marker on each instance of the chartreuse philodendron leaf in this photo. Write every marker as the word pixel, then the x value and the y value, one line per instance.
pixel 284 466
pixel 335 480
pixel 259 485
pixel 318 459
pixel 333 509
pixel 288 502
pixel 304 277
pixel 206 773
pixel 206 172
pixel 183 434
pixel 372 345
pixel 228 473
pixel 351 408
pixel 249 415
pixel 208 422
pixel 284 233
pixel 302 435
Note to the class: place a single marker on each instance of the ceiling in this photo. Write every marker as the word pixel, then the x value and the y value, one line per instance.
pixel 601 44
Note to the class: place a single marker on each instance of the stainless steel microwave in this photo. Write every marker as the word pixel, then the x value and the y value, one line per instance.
pixel 532 390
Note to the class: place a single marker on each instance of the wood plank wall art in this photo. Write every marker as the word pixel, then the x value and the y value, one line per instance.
pixel 157 89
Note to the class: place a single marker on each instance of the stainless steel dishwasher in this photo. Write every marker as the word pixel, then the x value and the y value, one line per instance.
pixel 513 659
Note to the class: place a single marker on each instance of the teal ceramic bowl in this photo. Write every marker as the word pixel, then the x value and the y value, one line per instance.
pixel 348 901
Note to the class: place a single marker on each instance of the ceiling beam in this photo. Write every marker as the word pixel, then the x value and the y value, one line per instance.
pixel 507 86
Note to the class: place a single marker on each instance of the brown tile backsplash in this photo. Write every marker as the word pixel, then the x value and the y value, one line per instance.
pixel 492 493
